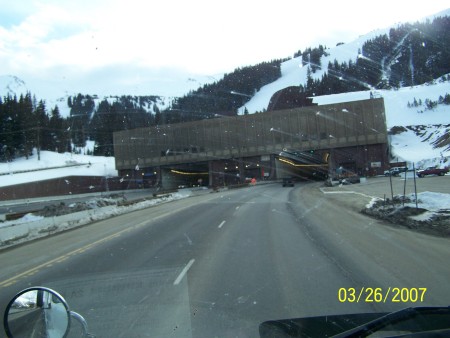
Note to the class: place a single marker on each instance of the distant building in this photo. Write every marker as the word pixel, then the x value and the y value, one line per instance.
pixel 228 150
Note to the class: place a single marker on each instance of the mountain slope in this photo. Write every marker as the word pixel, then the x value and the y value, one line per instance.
pixel 295 71
pixel 425 129
pixel 12 85
pixel 400 108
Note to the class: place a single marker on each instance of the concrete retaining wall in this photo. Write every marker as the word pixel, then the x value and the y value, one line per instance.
pixel 69 185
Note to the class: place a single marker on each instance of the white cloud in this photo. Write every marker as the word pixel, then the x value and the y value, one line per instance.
pixel 197 36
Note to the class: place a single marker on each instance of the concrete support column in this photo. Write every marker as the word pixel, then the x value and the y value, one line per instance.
pixel 241 170
pixel 211 173
pixel 167 179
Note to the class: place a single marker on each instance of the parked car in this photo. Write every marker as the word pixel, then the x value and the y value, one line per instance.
pixel 288 182
pixel 432 171
pixel 350 180
pixel 395 171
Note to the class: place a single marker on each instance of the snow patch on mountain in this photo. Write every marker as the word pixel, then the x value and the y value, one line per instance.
pixel 11 85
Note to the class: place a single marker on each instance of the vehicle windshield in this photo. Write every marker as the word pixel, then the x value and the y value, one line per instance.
pixel 222 169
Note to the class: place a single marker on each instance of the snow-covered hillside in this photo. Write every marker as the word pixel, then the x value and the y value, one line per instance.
pixel 53 165
pixel 12 85
pixel 55 94
pixel 408 146
pixel 294 73
pixel 413 144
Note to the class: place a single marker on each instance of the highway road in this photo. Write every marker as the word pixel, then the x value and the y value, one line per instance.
pixel 219 264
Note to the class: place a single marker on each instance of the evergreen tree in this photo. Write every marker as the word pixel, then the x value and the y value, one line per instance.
pixel 310 90
pixel 6 132
pixel 101 129
pixel 80 115
pixel 59 133
pixel 25 123
pixel 42 137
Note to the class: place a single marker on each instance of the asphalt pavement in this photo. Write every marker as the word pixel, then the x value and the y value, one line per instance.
pixel 220 264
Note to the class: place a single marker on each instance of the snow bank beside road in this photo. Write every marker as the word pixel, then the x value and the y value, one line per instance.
pixel 32 227
pixel 432 214
pixel 52 165
pixel 432 201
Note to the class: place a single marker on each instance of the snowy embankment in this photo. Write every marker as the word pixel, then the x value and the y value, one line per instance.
pixel 429 212
pixel 53 165
pixel 423 127
pixel 32 227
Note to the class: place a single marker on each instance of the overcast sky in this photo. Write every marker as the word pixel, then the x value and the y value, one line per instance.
pixel 75 38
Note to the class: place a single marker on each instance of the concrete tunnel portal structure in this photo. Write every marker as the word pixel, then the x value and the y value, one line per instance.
pixel 305 142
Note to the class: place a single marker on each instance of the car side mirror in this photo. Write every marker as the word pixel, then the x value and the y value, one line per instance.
pixel 37 312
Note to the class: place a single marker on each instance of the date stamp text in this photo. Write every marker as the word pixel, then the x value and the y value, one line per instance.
pixel 382 295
